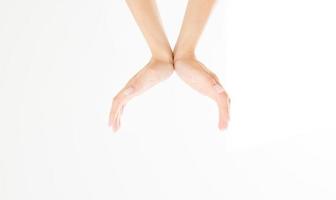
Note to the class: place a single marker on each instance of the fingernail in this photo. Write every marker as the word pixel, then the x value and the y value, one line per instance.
pixel 218 88
pixel 128 91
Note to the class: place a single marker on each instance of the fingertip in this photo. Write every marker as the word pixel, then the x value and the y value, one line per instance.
pixel 113 123
pixel 118 120
pixel 222 126
pixel 223 119
pixel 115 128
pixel 109 123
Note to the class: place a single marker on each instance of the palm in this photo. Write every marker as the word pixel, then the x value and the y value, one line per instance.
pixel 150 75
pixel 197 76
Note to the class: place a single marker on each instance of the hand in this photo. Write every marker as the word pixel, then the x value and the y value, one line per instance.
pixel 197 76
pixel 153 73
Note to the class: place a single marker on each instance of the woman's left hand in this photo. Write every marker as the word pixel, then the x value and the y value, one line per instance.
pixel 153 73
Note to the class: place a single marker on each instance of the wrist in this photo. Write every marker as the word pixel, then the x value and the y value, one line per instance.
pixel 164 56
pixel 180 55
pixel 184 49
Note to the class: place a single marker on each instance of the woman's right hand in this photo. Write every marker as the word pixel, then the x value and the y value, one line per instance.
pixel 200 78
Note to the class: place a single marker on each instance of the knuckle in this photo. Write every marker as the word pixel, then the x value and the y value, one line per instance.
pixel 214 76
pixel 211 80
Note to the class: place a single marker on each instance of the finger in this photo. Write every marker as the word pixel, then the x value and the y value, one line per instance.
pixel 213 75
pixel 218 94
pixel 114 116
pixel 116 121
pixel 223 109
pixel 118 102
pixel 222 100
pixel 215 87
pixel 218 88
pixel 119 117
pixel 223 116
pixel 115 126
pixel 229 107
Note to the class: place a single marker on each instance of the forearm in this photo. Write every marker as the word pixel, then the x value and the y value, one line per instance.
pixel 147 17
pixel 195 19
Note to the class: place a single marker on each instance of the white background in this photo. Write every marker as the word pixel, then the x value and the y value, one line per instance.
pixel 62 61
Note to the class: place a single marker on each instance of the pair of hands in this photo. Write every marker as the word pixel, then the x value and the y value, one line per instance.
pixel 189 69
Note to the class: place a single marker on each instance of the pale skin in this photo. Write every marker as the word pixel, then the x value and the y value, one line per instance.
pixel 164 60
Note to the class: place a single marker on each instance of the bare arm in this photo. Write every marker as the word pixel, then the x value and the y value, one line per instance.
pixel 147 17
pixel 195 19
